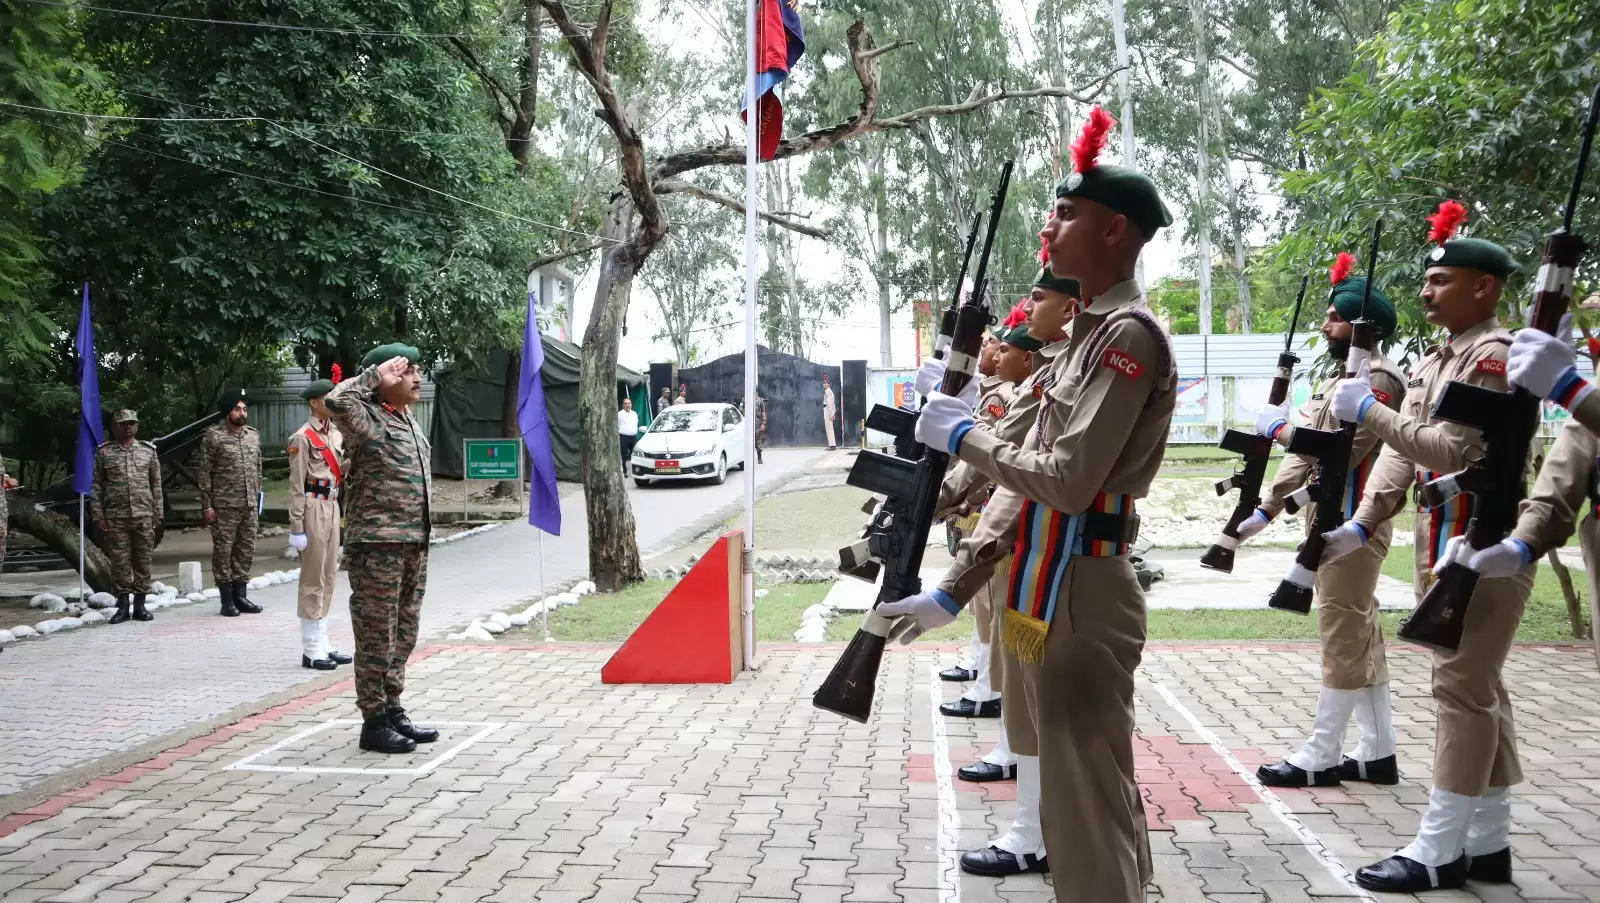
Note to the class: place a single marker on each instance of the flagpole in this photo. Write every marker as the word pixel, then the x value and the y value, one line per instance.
pixel 544 607
pixel 81 555
pixel 751 199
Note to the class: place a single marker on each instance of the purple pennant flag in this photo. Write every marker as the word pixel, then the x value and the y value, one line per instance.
pixel 544 504
pixel 90 431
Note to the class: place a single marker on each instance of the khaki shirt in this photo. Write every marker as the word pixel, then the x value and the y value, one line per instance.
pixel 1389 388
pixel 127 482
pixel 1104 412
pixel 1550 514
pixel 229 472
pixel 306 463
pixel 1413 441
pixel 389 482
pixel 1588 412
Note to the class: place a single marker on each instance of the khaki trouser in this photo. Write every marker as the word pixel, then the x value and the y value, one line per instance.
pixel 1589 543
pixel 319 563
pixel 233 544
pixel 130 543
pixel 1424 570
pixel 827 424
pixel 1477 740
pixel 1347 616
pixel 1082 702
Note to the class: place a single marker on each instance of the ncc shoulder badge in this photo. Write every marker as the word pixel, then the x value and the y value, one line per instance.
pixel 1490 365
pixel 1122 362
pixel 294 448
pixel 997 410
pixel 1380 395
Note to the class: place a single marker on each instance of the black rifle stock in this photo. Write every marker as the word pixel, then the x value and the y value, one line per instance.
pixel 1255 450
pixel 897 535
pixel 1509 422
pixel 1332 450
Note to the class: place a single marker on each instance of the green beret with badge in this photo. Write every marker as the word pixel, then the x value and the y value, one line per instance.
pixel 317 389
pixel 1127 191
pixel 392 350
pixel 1349 292
pixel 1472 253
pixel 1050 282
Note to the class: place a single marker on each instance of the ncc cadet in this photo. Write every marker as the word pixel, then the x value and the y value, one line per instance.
pixel 1355 674
pixel 994 393
pixel 1465 832
pixel 229 476
pixel 1065 507
pixel 388 521
pixel 128 505
pixel 830 414
pixel 316 476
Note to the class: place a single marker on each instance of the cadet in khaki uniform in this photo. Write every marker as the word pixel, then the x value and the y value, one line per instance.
pixel 128 504
pixel 316 475
pixel 1075 612
pixel 388 522
pixel 229 475
pixel 1465 831
pixel 830 414
pixel 1355 674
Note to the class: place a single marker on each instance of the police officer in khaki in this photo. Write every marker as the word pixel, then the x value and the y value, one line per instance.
pixel 1465 832
pixel 1355 674
pixel 316 474
pixel 127 504
pixel 1065 509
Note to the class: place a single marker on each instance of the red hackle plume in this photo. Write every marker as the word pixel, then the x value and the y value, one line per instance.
pixel 1342 265
pixel 1044 243
pixel 1018 315
pixel 1594 347
pixel 1086 150
pixel 1445 222
pixel 337 374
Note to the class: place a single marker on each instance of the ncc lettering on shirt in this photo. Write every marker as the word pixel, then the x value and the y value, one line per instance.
pixel 1490 365
pixel 1381 395
pixel 1122 362
pixel 997 410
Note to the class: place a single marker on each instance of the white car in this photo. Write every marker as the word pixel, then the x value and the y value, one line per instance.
pixel 690 442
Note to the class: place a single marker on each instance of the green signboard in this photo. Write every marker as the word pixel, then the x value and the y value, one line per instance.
pixel 493 459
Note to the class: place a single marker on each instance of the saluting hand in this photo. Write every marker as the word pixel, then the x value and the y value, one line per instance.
pixel 392 372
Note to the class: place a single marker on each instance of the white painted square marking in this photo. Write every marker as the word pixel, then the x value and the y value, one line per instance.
pixel 248 763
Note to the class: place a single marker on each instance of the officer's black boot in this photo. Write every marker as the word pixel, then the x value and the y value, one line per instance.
pixel 404 727
pixel 122 610
pixel 241 601
pixel 228 609
pixel 378 736
pixel 139 612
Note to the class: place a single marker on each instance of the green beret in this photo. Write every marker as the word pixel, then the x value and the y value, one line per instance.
pixel 1474 253
pixel 1049 281
pixel 317 389
pixel 384 352
pixel 1127 191
pixel 1019 337
pixel 1346 299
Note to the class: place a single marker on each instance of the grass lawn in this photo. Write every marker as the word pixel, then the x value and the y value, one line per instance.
pixel 813 519
pixel 610 617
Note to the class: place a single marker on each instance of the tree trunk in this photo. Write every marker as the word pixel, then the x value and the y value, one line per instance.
pixel 1202 208
pixel 613 540
pixel 1574 604
pixel 61 537
pixel 509 428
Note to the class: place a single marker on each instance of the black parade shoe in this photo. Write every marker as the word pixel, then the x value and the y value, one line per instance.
pixel 983 772
pixel 229 610
pixel 1282 774
pixel 403 725
pixel 319 664
pixel 994 862
pixel 1399 875
pixel 379 737
pixel 958 674
pixel 1379 771
pixel 339 658
pixel 966 708
pixel 122 610
pixel 1490 868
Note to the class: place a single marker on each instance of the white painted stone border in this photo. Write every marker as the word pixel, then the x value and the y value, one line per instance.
pixel 486 628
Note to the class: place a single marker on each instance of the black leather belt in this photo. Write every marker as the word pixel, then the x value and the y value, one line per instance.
pixel 1118 528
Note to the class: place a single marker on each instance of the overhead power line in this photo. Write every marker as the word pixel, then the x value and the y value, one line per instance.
pixel 274 26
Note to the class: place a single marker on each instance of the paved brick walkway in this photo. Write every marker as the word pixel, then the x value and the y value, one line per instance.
pixel 550 786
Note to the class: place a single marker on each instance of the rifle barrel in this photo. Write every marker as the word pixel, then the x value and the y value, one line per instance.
pixel 1583 160
pixel 1294 320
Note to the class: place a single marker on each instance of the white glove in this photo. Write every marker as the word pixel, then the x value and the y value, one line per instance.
pixel 1253 524
pixel 1270 418
pixel 930 375
pixel 1350 396
pixel 941 418
pixel 1342 540
pixel 917 615
pixel 1540 362
pixel 1504 558
pixel 297 541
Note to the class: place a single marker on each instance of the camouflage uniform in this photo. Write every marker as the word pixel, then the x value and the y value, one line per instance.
pixel 388 484
pixel 4 513
pixel 761 427
pixel 230 484
pixel 127 497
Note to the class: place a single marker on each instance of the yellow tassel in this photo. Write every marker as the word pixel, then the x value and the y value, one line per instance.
pixel 1025 636
pixel 967 524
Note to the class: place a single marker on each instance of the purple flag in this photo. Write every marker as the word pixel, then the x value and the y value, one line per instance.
pixel 544 504
pixel 90 431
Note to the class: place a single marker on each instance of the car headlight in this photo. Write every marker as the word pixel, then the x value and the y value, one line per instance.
pixel 705 451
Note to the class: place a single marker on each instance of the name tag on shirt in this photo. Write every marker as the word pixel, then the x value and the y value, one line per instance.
pixel 1414 383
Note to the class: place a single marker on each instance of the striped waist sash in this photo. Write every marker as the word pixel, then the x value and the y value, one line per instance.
pixel 1046 541
pixel 1444 521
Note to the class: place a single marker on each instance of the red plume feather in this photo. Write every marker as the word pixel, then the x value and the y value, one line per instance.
pixel 1086 150
pixel 1445 223
pixel 1342 265
pixel 337 374
pixel 1594 347
pixel 1044 243
pixel 1018 315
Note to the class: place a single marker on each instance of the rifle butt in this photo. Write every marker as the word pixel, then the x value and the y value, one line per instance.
pixel 1438 619
pixel 1218 558
pixel 849 688
pixel 1298 499
pixel 1294 592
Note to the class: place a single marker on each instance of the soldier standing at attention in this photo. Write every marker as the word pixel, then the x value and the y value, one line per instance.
pixel 128 504
pixel 316 476
pixel 829 411
pixel 388 523
pixel 761 425
pixel 230 491
pixel 1465 832
pixel 665 401
pixel 1355 672
pixel 1075 612
pixel 6 485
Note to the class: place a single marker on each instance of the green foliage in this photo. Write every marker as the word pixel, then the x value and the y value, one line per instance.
pixel 694 276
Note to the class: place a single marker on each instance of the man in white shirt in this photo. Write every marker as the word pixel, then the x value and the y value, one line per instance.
pixel 627 430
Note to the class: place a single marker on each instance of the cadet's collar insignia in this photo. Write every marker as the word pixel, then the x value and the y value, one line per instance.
pixel 1436 253
pixel 1074 180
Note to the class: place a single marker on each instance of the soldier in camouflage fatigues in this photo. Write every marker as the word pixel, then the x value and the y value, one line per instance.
pixel 388 485
pixel 127 504
pixel 5 483
pixel 230 491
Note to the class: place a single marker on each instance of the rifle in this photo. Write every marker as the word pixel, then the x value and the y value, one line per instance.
pixel 1509 421
pixel 898 532
pixel 1332 449
pixel 1256 450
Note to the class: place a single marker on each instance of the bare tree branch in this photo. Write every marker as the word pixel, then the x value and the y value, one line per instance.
pixel 678 186
pixel 542 262
pixel 499 97
pixel 893 45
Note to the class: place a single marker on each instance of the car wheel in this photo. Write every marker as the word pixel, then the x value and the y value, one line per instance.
pixel 641 482
pixel 722 469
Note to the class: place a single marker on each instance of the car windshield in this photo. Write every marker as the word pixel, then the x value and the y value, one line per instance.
pixel 672 421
